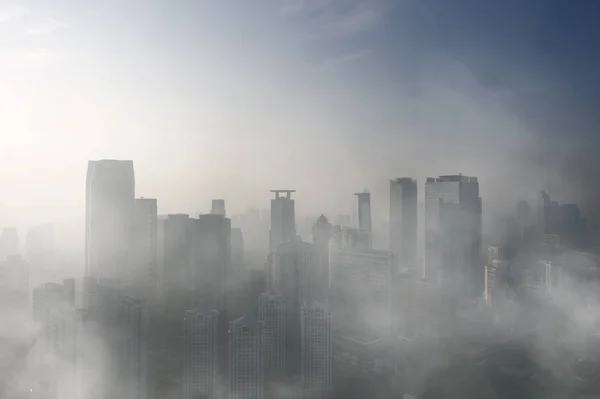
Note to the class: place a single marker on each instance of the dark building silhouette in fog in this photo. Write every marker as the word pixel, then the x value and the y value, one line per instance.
pixel 364 211
pixel 110 192
pixel 403 221
pixel 322 234
pixel 218 207
pixel 453 234
pixel 562 220
pixel 211 260
pixel 144 243
pixel 295 274
pixel 177 254
pixel 133 348
pixel 283 219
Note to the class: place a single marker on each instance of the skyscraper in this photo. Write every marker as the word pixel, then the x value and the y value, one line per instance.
pixel 295 274
pixel 211 260
pixel 177 255
pixel 133 319
pixel 271 308
pixel 218 207
pixel 246 365
pixel 322 234
pixel 453 234
pixel 110 191
pixel 403 221
pixel 283 219
pixel 316 350
pixel 201 354
pixel 145 243
pixel 364 211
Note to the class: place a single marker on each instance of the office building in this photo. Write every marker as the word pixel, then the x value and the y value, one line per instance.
pixel 271 308
pixel 212 260
pixel 177 255
pixel 350 237
pixel 364 214
pixel 362 292
pixel 317 350
pixel 201 354
pixel 144 248
pixel 295 274
pixel 403 221
pixel 133 320
pixel 453 235
pixel 322 234
pixel 246 365
pixel 283 219
pixel 218 207
pixel 257 286
pixel 110 191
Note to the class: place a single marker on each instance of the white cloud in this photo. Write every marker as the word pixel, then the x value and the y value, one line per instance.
pixel 26 59
pixel 12 11
pixel 46 27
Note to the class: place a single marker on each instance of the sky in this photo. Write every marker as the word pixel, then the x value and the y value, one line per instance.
pixel 228 99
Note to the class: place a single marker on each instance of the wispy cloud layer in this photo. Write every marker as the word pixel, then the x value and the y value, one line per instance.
pixel 339 29
pixel 12 11
pixel 45 27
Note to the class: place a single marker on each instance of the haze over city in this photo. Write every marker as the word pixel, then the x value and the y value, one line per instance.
pixel 118 118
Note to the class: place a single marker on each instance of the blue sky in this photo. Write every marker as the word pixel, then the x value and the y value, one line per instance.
pixel 230 98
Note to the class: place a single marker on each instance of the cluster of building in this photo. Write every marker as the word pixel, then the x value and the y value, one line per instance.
pixel 171 299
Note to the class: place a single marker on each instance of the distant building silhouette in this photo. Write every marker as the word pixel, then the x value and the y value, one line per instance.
pixel 201 354
pixel 283 219
pixel 364 213
pixel 218 207
pixel 322 234
pixel 453 234
pixel 144 244
pixel 177 255
pixel 295 271
pixel 40 244
pixel 110 191
pixel 403 221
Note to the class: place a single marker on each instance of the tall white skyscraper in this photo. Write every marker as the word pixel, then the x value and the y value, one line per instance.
pixel 453 234
pixel 316 350
pixel 403 222
pixel 201 329
pixel 110 191
pixel 283 219
pixel 246 363
pixel 364 211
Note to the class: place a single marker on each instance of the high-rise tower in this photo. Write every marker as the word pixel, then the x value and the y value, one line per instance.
pixel 201 354
pixel 283 219
pixel 364 212
pixel 403 221
pixel 453 234
pixel 110 191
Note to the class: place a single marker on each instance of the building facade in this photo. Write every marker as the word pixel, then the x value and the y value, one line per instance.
pixel 283 219
pixel 246 365
pixel 110 192
pixel 404 221
pixel 201 354
pixel 271 312
pixel 317 350
pixel 145 242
